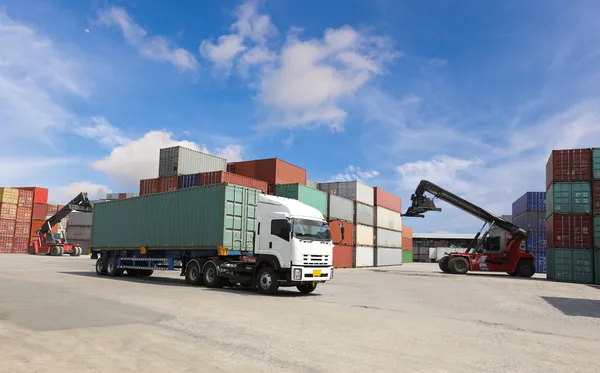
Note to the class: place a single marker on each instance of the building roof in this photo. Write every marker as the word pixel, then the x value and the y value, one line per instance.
pixel 444 236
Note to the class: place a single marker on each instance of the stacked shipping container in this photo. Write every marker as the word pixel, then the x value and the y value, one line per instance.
pixel 596 212
pixel 529 213
pixel 340 210
pixel 407 244
pixel 15 219
pixel 388 228
pixel 569 224
pixel 79 230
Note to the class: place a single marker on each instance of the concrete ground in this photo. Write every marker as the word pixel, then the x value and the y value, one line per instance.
pixel 56 315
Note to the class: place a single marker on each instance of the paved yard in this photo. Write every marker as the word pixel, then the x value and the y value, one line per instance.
pixel 56 315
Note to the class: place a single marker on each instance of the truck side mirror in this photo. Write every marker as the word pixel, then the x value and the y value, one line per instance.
pixel 343 230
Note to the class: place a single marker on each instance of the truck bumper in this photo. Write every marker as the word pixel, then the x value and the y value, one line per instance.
pixel 311 274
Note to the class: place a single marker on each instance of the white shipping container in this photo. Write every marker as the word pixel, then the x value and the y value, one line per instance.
pixel 388 256
pixel 388 219
pixel 354 190
pixel 365 214
pixel 388 238
pixel 178 160
pixel 75 232
pixel 312 184
pixel 364 235
pixel 365 256
pixel 80 218
pixel 341 208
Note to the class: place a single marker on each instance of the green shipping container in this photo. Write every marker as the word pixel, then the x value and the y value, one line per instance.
pixel 201 218
pixel 597 232
pixel 568 198
pixel 596 163
pixel 407 256
pixel 597 267
pixel 304 194
pixel 570 265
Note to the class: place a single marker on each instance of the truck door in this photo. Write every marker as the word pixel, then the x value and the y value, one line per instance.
pixel 275 239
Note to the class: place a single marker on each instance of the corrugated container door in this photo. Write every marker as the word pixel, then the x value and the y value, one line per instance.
pixel 583 266
pixel 342 256
pixel 365 214
pixel 364 235
pixel 596 197
pixel 388 256
pixel 8 211
pixel 596 163
pixel 7 228
pixel 569 166
pixel 365 256
pixel 563 265
pixel 9 195
pixel 25 198
pixel 341 208
pixel 407 256
pixel 388 219
pixel 597 234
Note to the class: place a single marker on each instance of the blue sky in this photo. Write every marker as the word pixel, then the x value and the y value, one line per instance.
pixel 469 94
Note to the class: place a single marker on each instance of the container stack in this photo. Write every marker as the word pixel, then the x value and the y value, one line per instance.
pixel 217 177
pixel 529 213
pixel 273 171
pixel 388 228
pixel 596 211
pixel 117 196
pixel 363 198
pixel 569 224
pixel 407 244
pixel 340 211
pixel 9 199
pixel 79 230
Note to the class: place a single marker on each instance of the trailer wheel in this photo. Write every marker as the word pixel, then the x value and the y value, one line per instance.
pixel 525 269
pixel 101 266
pixel 211 276
pixel 267 280
pixel 111 268
pixel 459 265
pixel 306 288
pixel 193 275
pixel 444 264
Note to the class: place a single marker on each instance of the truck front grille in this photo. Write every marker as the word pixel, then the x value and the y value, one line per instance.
pixel 316 260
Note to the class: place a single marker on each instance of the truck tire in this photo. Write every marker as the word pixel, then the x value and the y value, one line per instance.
pixel 266 280
pixel 101 266
pixel 306 288
pixel 55 251
pixel 211 276
pixel 444 264
pixel 459 265
pixel 111 268
pixel 525 268
pixel 193 274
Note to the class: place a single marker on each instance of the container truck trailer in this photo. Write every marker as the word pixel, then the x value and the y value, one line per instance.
pixel 216 235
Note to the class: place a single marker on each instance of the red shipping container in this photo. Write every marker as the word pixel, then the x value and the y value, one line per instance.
pixel 387 200
pixel 217 177
pixel 596 197
pixel 40 210
pixel 569 166
pixel 342 256
pixel 52 209
pixel 272 171
pixel 8 211
pixel 167 183
pixel 7 228
pixel 40 195
pixel 24 214
pixel 407 238
pixel 148 186
pixel 6 244
pixel 122 195
pixel 22 229
pixel 336 233
pixel 569 231
pixel 20 245
pixel 25 198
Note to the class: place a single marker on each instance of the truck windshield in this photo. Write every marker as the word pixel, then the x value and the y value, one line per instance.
pixel 311 230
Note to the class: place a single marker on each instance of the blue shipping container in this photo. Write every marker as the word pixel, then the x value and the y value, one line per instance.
pixel 531 221
pixel 530 201
pixel 536 242
pixel 188 181
pixel 539 261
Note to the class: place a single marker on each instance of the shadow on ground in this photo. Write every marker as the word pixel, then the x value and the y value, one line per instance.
pixel 442 274
pixel 575 306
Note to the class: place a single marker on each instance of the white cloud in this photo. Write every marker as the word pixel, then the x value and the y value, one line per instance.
pixel 356 173
pixel 224 51
pixel 156 48
pixel 233 153
pixel 103 131
pixel 64 194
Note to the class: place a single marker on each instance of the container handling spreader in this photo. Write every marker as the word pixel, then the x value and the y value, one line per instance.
pixel 510 258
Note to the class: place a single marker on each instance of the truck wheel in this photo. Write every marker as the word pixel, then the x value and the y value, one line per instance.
pixel 211 276
pixel 525 269
pixel 101 266
pixel 55 251
pixel 444 264
pixel 111 268
pixel 306 288
pixel 267 280
pixel 459 265
pixel 193 275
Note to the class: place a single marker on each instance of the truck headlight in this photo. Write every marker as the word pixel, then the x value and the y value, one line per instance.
pixel 297 274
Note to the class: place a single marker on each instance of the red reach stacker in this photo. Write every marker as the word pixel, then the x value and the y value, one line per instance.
pixel 478 256
pixel 56 244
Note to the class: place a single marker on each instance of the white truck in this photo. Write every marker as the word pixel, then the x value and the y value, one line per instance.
pixel 216 235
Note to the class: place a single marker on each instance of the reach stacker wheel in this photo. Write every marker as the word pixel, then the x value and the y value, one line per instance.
pixel 193 275
pixel 101 266
pixel 211 276
pixel 55 251
pixel 267 280
pixel 306 288
pixel 459 265
pixel 525 269
pixel 444 264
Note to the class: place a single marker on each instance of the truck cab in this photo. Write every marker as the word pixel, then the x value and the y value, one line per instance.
pixel 295 239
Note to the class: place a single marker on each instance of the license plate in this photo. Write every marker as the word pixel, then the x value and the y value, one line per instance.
pixel 317 273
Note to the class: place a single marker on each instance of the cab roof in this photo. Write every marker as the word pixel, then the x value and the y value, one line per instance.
pixel 292 207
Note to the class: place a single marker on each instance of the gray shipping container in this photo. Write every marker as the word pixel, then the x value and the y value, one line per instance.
pixel 388 238
pixel 85 245
pixel 354 190
pixel 75 232
pixel 80 218
pixel 387 256
pixel 365 214
pixel 178 160
pixel 364 256
pixel 340 208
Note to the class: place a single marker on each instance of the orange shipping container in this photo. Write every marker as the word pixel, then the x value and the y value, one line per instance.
pixel 148 186
pixel 342 256
pixel 25 198
pixel 272 171
pixel 40 195
pixel 37 224
pixel 387 200
pixel 167 183
pixel 8 211
pixel 24 214
pixel 20 245
pixel 22 229
pixel 52 209
pixel 407 238
pixel 6 244
pixel 40 211
pixel 7 228
pixel 336 233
